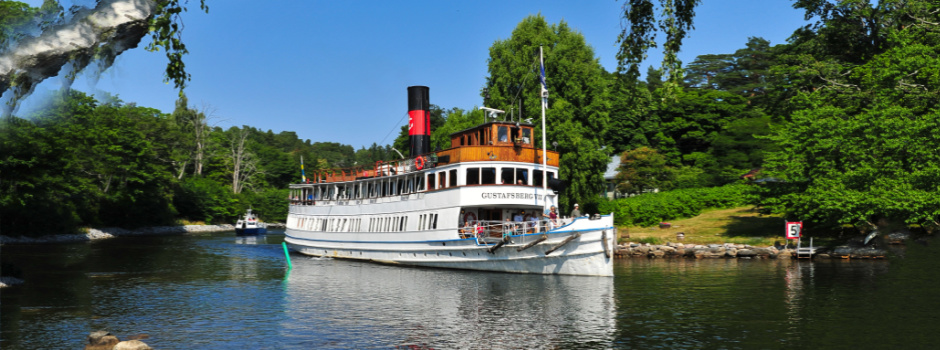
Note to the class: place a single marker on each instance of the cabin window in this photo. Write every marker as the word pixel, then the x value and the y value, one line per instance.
pixel 453 177
pixel 527 136
pixel 513 134
pixel 537 179
pixel 473 176
pixel 488 176
pixel 522 176
pixel 419 183
pixel 431 182
pixel 433 221
pixel 404 221
pixel 502 133
pixel 506 176
pixel 442 179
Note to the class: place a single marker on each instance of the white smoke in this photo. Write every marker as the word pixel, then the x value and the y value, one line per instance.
pixel 89 35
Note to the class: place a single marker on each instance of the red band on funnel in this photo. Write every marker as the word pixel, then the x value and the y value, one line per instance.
pixel 418 123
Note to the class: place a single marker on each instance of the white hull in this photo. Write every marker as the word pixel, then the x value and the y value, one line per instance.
pixel 586 254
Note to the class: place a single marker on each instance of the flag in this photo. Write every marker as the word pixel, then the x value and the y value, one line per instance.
pixel 542 80
pixel 303 178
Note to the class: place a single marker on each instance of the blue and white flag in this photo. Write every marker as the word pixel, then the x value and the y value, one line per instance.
pixel 542 80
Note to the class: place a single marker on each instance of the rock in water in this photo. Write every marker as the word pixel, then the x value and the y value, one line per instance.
pixel 132 345
pixel 101 340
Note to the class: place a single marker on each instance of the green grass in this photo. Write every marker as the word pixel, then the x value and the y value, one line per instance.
pixel 741 225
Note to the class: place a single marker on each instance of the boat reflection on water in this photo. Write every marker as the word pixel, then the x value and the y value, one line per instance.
pixel 250 240
pixel 350 304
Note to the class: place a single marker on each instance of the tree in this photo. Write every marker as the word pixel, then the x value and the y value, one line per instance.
pixel 640 36
pixel 862 143
pixel 578 110
pixel 243 162
pixel 161 19
pixel 193 128
pixel 643 170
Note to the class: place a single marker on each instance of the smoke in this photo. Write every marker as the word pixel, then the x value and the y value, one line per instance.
pixel 87 36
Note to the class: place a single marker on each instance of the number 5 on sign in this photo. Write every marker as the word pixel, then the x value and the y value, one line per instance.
pixel 794 229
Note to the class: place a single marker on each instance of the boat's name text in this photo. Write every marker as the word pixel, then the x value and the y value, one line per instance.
pixel 511 195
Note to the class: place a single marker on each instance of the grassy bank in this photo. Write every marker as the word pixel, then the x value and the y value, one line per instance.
pixel 741 225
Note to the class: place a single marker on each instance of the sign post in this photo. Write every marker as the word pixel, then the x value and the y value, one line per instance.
pixel 794 230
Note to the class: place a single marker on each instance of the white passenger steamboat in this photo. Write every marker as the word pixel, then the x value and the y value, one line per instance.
pixel 477 205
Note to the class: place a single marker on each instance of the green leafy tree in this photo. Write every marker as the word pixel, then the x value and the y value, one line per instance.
pixel 643 170
pixel 639 35
pixel 578 107
pixel 861 146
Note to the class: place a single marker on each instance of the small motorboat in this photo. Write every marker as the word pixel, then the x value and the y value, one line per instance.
pixel 250 225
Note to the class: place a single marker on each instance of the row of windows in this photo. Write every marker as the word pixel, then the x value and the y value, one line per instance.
pixel 519 176
pixel 407 184
pixel 388 224
pixel 375 224
pixel 329 224
pixel 427 222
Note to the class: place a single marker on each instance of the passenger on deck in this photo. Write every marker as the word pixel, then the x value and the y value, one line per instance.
pixel 552 218
pixel 465 230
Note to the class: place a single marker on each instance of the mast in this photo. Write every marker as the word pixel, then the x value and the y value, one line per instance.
pixel 544 104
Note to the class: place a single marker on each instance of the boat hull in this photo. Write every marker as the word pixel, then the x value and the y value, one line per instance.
pixel 250 231
pixel 583 247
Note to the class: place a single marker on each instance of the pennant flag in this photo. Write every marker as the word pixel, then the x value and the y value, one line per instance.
pixel 303 177
pixel 542 79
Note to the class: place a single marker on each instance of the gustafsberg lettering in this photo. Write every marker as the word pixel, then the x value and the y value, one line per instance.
pixel 510 195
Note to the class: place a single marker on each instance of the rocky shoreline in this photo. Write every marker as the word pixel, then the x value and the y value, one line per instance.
pixel 111 232
pixel 741 251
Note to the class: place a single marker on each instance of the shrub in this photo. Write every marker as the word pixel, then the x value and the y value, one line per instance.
pixel 651 208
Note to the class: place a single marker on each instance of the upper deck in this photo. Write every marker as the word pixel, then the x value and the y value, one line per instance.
pixel 499 141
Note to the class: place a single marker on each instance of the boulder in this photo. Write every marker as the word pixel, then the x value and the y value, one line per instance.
pixel 746 253
pixel 898 237
pixel 101 340
pixel 132 345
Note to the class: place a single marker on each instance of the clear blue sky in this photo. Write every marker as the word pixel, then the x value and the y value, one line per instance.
pixel 337 71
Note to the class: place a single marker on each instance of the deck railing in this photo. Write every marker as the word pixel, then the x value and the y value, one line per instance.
pixel 497 229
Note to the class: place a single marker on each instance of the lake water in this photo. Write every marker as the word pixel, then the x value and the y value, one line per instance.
pixel 219 291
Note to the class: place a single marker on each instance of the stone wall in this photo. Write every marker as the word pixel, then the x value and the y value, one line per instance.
pixel 739 251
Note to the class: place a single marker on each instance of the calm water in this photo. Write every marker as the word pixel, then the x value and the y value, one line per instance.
pixel 219 291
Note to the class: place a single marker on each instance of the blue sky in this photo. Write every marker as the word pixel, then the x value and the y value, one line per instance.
pixel 337 71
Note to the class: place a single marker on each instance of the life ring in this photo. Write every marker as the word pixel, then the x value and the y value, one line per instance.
pixel 419 163
pixel 470 218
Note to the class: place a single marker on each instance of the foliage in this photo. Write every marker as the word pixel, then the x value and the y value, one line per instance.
pixel 82 163
pixel 652 208
pixel 639 36
pixel 861 145
pixel 643 170
pixel 578 105
pixel 166 32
